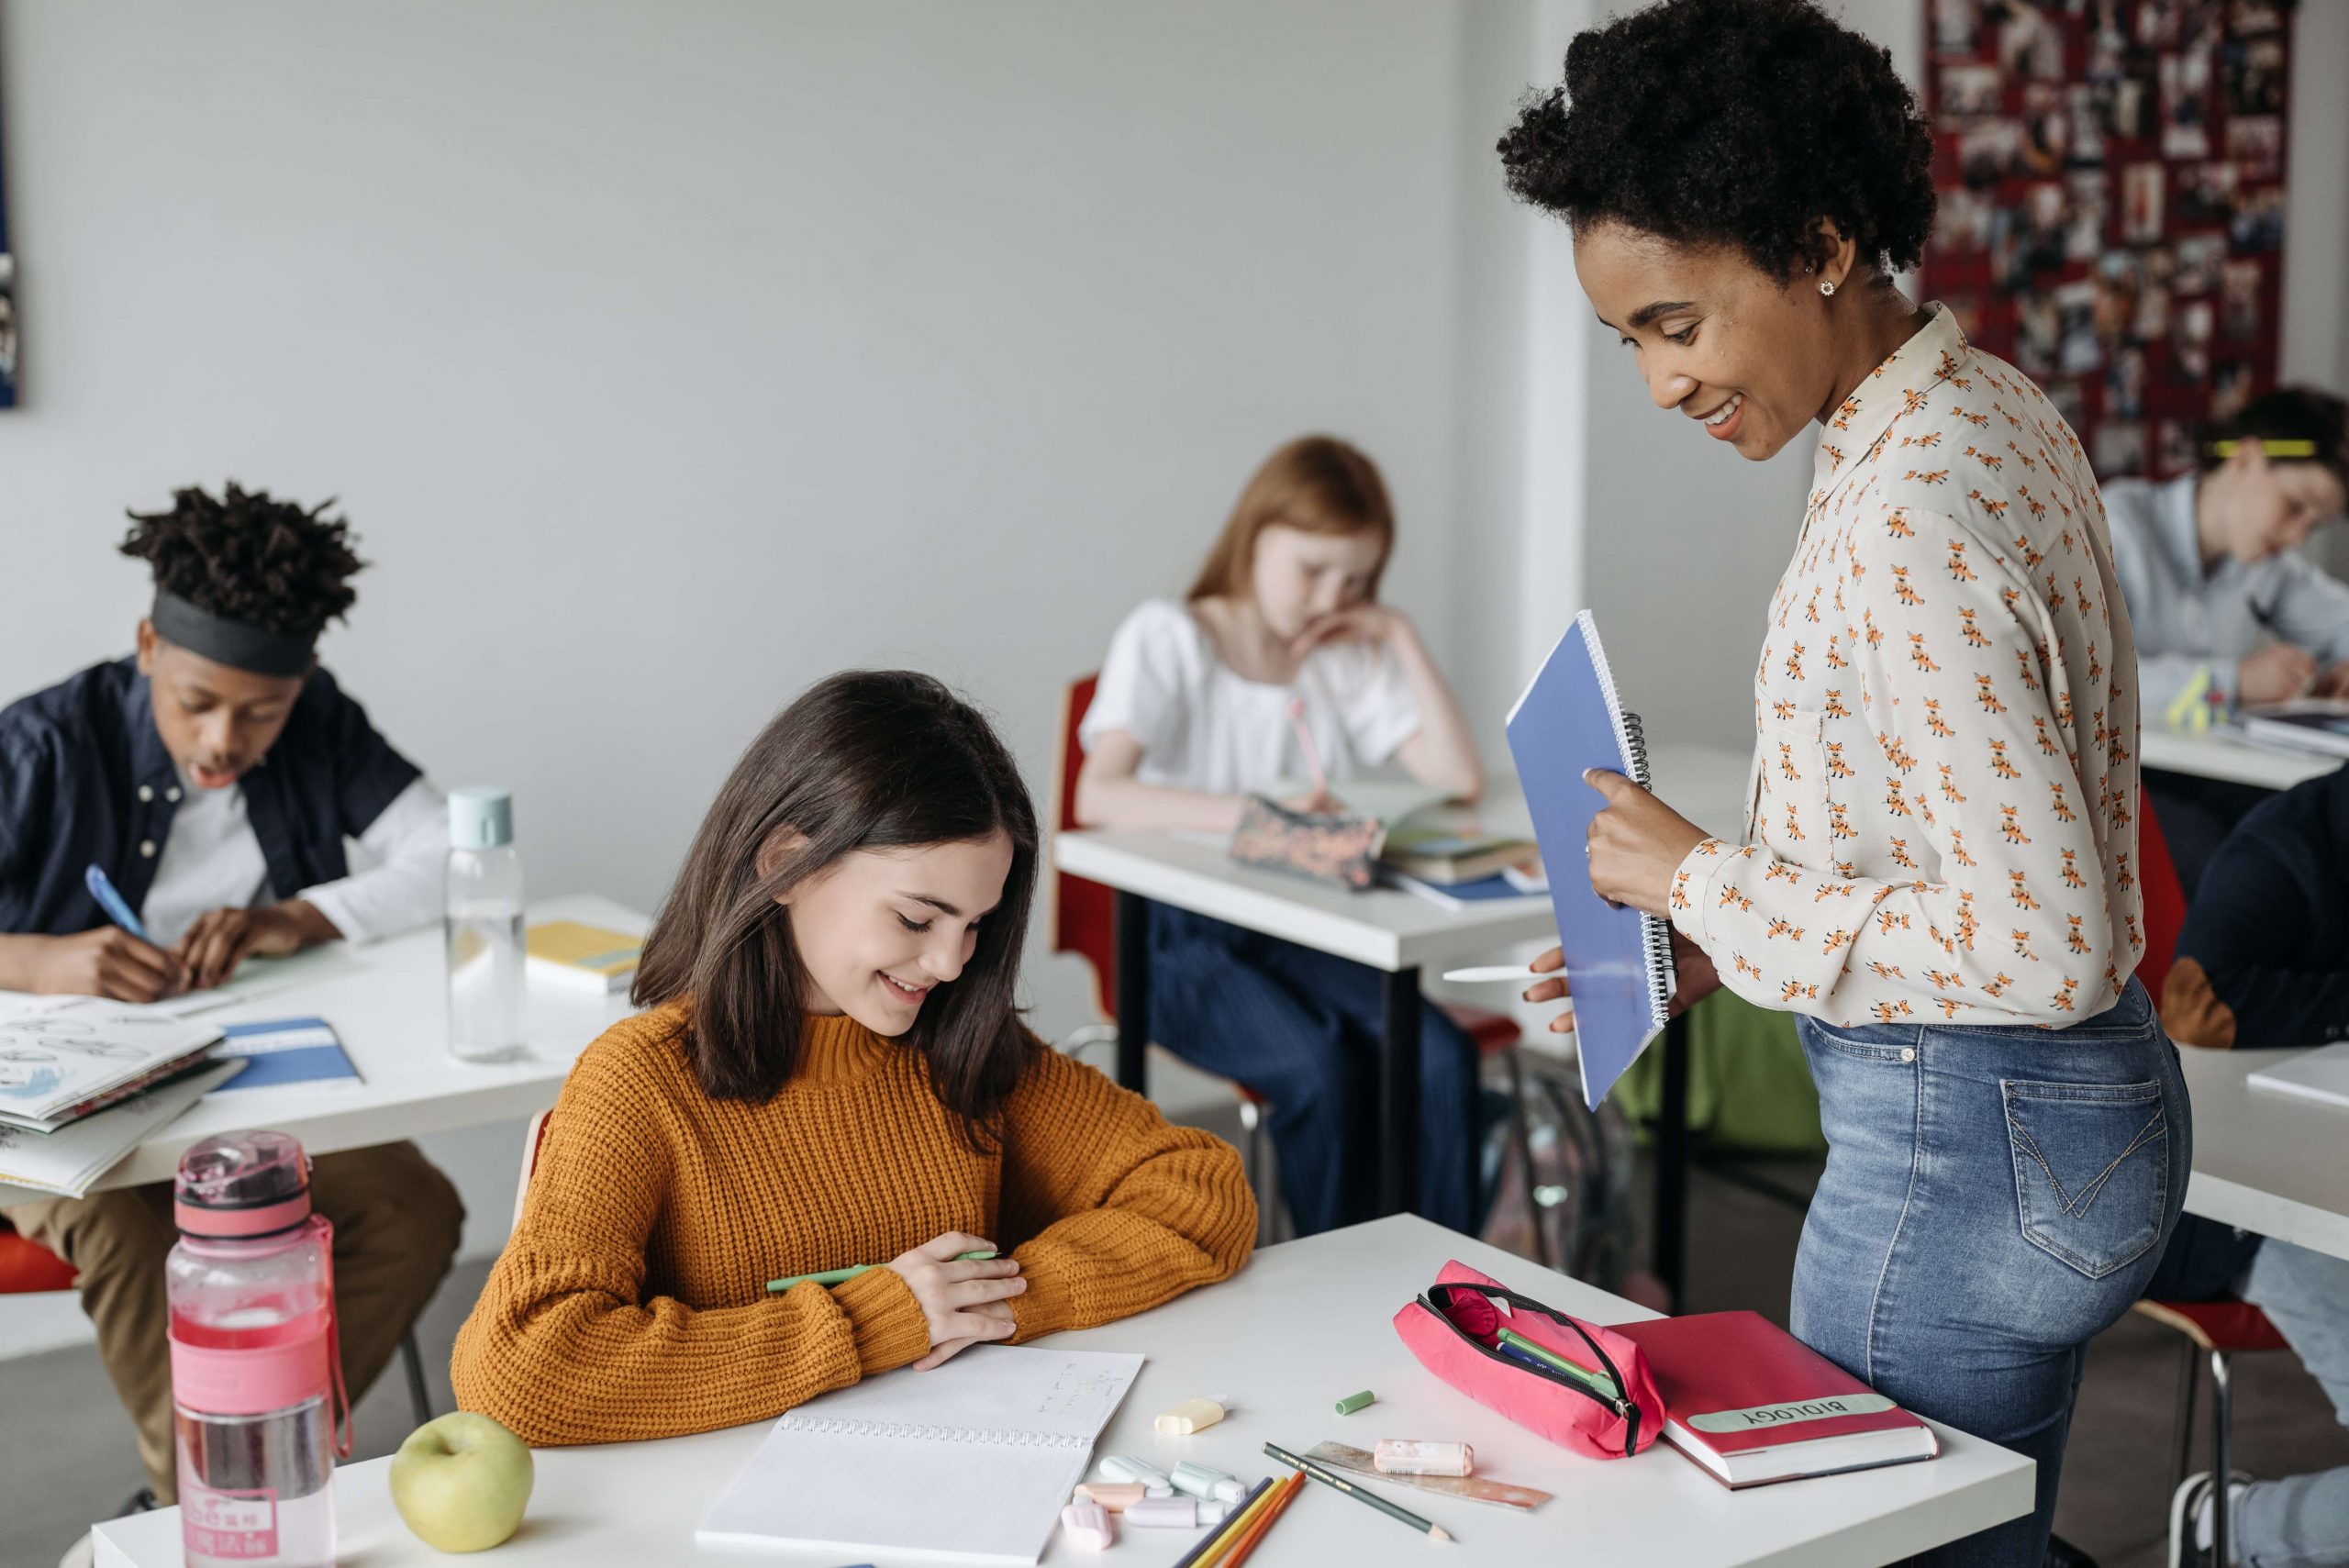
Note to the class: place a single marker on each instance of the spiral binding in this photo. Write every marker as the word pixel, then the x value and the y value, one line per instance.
pixel 1655 936
pixel 1006 1437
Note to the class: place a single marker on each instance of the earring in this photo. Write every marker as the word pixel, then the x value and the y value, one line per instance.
pixel 1826 287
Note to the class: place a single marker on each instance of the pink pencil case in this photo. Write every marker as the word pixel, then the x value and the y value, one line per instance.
pixel 1327 846
pixel 1453 1328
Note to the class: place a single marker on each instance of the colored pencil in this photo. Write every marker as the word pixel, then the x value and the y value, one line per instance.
pixel 1331 1478
pixel 1263 1524
pixel 1211 1546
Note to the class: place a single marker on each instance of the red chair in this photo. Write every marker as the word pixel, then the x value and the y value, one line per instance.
pixel 27 1268
pixel 1083 922
pixel 2216 1330
pixel 2165 899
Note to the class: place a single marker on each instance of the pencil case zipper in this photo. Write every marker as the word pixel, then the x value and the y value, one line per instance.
pixel 1621 1406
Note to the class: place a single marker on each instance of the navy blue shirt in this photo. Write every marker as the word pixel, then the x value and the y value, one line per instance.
pixel 2270 920
pixel 85 780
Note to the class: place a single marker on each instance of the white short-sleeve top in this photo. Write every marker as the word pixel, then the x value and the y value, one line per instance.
pixel 1203 726
pixel 1943 814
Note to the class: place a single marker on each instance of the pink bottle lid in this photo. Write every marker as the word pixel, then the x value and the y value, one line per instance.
pixel 241 1185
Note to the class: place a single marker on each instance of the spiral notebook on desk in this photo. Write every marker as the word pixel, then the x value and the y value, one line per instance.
pixel 1618 962
pixel 967 1463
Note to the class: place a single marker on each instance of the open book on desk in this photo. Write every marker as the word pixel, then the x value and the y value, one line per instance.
pixel 969 1462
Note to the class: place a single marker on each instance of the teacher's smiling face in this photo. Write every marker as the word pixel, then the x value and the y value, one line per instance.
pixel 1747 358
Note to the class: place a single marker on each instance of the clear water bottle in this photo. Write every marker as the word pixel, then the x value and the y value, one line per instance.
pixel 484 889
pixel 256 1382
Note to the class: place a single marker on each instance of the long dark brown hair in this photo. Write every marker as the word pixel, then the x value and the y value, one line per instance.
pixel 866 759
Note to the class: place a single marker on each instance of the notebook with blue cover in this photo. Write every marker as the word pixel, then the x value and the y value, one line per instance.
pixel 1618 962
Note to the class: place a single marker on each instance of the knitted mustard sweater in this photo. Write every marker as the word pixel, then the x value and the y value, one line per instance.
pixel 632 1300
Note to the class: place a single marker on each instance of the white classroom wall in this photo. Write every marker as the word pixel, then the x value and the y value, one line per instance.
pixel 668 357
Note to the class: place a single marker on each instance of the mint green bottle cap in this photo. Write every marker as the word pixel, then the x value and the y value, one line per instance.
pixel 481 817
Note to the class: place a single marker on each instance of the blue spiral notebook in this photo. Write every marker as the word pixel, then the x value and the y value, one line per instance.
pixel 1618 962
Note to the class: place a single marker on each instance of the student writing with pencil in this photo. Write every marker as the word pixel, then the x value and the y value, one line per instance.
pixel 1199 704
pixel 831 1072
pixel 166 815
pixel 2225 607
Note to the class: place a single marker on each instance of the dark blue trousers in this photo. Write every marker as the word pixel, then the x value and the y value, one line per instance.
pixel 1302 1029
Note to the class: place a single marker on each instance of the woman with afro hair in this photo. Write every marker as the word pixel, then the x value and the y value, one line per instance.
pixel 1936 874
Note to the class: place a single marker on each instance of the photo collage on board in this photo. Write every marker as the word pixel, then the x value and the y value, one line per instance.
pixel 2111 175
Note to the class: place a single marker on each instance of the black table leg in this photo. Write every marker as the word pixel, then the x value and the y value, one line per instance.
pixel 1399 1094
pixel 1132 918
pixel 1672 1161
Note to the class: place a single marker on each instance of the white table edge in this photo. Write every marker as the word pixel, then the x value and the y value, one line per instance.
pixel 1364 942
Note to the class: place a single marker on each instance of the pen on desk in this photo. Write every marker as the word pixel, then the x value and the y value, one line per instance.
pixel 118 908
pixel 1361 1493
pixel 828 1277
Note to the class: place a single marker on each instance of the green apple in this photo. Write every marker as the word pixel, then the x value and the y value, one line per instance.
pixel 462 1482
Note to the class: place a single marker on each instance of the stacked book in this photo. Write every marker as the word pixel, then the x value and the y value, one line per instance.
pixel 1457 867
pixel 84 1080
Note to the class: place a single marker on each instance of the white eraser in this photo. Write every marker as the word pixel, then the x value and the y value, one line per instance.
pixel 1164 1513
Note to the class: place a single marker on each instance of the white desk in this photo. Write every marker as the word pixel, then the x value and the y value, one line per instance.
pixel 391 1016
pixel 1305 1323
pixel 2228 756
pixel 1389 930
pixel 2260 1159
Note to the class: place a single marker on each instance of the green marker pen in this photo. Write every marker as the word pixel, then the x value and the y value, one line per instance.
pixel 830 1277
pixel 1598 1382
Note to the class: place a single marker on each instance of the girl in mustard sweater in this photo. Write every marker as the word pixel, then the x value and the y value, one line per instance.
pixel 832 1071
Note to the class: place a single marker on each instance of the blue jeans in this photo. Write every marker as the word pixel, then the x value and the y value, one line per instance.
pixel 1302 1029
pixel 1993 1199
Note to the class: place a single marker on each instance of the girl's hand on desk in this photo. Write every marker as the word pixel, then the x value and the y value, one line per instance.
pixel 1693 973
pixel 963 1303
pixel 1637 842
pixel 2333 683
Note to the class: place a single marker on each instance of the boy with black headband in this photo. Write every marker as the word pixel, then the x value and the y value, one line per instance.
pixel 213 776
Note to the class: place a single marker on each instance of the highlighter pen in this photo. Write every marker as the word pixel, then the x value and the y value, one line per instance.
pixel 828 1277
pixel 118 908
pixel 1598 1382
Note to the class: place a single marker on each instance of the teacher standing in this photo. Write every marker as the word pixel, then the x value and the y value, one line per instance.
pixel 1938 869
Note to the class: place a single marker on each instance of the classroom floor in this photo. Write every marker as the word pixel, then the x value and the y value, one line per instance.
pixel 73 1460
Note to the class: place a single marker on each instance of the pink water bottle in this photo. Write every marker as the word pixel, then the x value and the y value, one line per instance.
pixel 256 1369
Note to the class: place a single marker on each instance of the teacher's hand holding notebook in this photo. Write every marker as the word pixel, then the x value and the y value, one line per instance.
pixel 1692 971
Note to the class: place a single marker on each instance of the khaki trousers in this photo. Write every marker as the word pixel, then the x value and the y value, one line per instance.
pixel 396 1222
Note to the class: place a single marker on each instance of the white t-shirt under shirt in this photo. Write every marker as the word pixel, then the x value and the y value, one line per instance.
pixel 1203 726
pixel 211 860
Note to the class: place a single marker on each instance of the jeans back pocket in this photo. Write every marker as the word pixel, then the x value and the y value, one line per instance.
pixel 2091 1169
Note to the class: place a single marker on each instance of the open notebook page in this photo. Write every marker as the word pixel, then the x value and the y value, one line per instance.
pixel 969 1462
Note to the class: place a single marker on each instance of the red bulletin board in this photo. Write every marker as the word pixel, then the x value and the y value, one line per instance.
pixel 2112 185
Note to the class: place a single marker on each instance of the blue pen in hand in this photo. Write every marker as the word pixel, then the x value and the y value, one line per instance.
pixel 118 908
